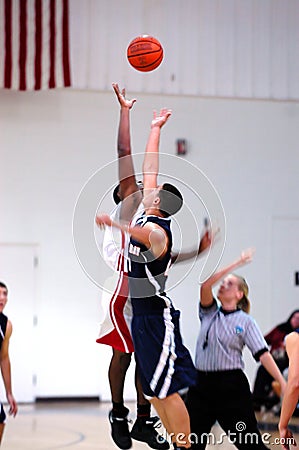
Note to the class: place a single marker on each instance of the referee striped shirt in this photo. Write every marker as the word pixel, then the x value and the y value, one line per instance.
pixel 223 336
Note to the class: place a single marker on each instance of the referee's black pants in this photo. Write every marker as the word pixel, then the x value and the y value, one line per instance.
pixel 225 397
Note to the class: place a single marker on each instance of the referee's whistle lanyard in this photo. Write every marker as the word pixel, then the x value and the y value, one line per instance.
pixel 206 341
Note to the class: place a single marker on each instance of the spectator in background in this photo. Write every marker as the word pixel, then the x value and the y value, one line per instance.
pixel 263 394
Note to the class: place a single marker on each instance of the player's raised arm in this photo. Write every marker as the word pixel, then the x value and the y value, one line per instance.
pixel 206 295
pixel 151 157
pixel 128 188
pixel 185 255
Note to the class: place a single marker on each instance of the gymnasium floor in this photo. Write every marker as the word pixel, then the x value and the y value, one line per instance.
pixel 84 425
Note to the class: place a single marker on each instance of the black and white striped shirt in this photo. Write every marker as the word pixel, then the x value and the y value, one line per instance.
pixel 223 336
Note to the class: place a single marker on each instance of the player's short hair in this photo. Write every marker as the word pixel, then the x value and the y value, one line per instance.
pixel 171 200
pixel 116 196
pixel 3 285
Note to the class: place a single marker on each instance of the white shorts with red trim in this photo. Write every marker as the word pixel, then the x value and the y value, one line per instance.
pixel 116 307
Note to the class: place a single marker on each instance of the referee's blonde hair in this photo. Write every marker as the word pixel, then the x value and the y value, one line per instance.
pixel 244 303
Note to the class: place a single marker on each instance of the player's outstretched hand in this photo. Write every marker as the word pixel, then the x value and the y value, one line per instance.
pixel 287 438
pixel 247 255
pixel 205 241
pixel 103 220
pixel 13 407
pixel 121 96
pixel 160 119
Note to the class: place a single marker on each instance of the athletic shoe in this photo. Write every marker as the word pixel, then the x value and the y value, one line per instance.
pixel 144 430
pixel 120 431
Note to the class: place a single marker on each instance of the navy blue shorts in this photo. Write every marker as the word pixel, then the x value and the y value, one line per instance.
pixel 165 363
pixel 2 414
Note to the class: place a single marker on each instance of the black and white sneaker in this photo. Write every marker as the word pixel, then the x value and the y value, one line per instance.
pixel 144 430
pixel 120 431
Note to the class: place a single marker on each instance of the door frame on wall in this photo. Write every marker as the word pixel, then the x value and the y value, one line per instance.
pixel 284 264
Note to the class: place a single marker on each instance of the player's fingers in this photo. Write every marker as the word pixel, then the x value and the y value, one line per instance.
pixel 167 113
pixel 115 87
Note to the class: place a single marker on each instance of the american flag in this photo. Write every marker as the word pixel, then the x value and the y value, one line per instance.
pixel 34 44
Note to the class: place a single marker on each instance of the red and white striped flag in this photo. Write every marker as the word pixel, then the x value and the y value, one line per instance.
pixel 34 44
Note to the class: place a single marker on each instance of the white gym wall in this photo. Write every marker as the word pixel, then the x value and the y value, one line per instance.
pixel 235 101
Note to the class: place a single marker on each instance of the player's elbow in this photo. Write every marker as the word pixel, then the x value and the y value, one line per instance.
pixel 158 243
pixel 206 287
pixel 123 150
pixel 293 383
pixel 4 361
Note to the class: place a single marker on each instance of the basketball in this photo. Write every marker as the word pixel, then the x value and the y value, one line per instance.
pixel 145 53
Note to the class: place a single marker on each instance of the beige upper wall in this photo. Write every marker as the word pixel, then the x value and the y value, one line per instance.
pixel 227 48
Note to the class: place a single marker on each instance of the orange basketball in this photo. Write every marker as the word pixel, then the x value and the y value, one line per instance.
pixel 145 53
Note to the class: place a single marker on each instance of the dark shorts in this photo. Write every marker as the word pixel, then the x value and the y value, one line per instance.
pixel 224 397
pixel 2 414
pixel 165 363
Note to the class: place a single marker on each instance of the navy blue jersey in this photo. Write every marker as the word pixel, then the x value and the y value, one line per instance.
pixel 3 324
pixel 147 274
pixel 165 363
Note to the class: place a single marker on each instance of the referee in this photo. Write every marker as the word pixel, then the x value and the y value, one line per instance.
pixel 222 392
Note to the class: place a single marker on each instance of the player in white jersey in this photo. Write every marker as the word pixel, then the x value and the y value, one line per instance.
pixel 115 330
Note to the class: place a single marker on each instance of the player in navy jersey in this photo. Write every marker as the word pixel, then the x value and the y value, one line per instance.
pixel 165 364
pixel 5 333
pixel 222 392
pixel 114 330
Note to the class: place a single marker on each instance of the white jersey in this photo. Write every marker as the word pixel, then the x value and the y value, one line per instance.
pixel 113 245
pixel 115 327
